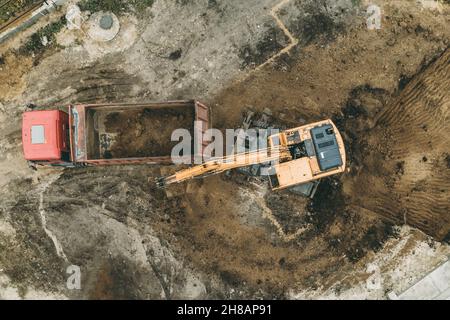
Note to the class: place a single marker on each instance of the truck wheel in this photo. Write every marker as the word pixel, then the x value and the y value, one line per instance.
pixel 32 165
pixel 80 165
pixel 30 106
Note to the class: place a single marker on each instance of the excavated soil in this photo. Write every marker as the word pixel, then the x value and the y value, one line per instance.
pixel 146 133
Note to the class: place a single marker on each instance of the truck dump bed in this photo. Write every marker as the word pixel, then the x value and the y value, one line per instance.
pixel 124 133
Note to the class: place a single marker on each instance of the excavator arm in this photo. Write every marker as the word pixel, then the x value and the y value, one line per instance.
pixel 218 165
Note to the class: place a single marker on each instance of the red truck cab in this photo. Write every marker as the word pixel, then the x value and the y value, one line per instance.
pixel 45 136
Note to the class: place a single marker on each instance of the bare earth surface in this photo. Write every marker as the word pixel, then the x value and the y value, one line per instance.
pixel 384 221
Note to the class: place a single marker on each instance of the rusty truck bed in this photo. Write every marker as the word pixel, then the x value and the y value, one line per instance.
pixel 131 133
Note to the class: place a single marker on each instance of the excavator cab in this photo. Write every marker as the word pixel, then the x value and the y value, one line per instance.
pixel 315 151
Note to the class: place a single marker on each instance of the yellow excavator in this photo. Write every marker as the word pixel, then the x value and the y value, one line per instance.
pixel 298 156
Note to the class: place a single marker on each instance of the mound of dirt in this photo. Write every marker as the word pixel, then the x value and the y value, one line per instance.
pixel 147 133
pixel 402 171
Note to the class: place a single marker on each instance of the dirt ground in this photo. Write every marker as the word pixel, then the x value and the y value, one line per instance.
pixel 228 236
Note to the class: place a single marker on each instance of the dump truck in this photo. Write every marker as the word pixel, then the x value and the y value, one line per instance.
pixel 299 155
pixel 103 134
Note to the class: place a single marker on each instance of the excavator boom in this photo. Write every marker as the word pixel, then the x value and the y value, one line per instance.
pixel 217 165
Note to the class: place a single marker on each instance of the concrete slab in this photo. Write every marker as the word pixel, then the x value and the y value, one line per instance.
pixel 434 286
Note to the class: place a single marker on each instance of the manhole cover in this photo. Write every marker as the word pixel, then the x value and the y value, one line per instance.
pixel 106 22
pixel 103 26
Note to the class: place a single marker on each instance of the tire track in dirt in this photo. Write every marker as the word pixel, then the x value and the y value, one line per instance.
pixel 292 40
pixel 410 181
pixel 42 213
